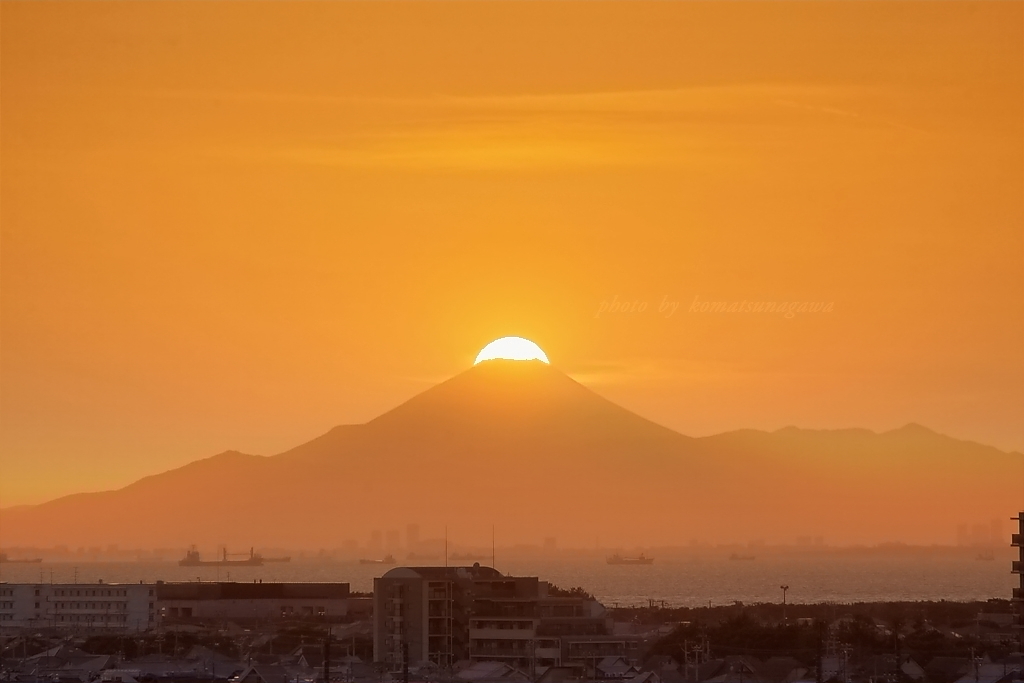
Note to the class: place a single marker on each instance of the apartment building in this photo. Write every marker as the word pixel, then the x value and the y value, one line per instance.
pixel 141 606
pixel 78 606
pixel 443 615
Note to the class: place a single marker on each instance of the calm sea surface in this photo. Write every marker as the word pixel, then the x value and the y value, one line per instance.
pixel 678 581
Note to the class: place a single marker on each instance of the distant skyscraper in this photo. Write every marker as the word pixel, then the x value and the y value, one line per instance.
pixel 376 538
pixel 394 539
pixel 412 536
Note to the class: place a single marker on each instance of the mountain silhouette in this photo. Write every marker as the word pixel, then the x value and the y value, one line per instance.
pixel 524 447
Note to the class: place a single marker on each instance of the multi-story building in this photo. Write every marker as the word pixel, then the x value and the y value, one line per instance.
pixel 78 606
pixel 213 601
pixel 420 614
pixel 446 614
pixel 141 606
pixel 1017 541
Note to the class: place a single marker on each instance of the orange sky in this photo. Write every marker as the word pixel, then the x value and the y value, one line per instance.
pixel 236 225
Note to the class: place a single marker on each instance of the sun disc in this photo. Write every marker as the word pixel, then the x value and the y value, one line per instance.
pixel 511 348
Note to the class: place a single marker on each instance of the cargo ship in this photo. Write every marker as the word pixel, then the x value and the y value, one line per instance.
pixel 619 559
pixel 390 559
pixel 192 559
pixel 26 560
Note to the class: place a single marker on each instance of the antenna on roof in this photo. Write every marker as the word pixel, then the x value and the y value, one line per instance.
pixel 492 547
pixel 446 546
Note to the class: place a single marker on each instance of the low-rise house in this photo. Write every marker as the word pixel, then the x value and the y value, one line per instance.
pixel 1001 672
pixel 615 668
pixel 783 670
pixel 274 673
pixel 645 677
pixel 738 669
pixel 946 669
pixel 491 672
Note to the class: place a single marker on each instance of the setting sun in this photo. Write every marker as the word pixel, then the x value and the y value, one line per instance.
pixel 511 348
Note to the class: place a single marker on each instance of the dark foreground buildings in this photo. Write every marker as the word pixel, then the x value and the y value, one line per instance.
pixel 443 615
pixel 1017 541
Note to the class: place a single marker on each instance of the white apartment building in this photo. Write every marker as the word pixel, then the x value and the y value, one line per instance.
pixel 81 606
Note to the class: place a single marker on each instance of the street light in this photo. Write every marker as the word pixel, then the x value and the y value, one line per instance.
pixel 784 589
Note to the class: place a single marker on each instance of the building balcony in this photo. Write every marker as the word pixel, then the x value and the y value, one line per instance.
pixel 495 653
pixel 501 634
pixel 1017 540
pixel 1018 593
pixel 1017 567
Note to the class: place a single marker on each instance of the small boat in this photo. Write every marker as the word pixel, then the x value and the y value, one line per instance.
pixel 619 559
pixel 388 559
pixel 192 559
pixel 744 558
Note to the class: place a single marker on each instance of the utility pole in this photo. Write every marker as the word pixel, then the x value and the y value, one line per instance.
pixel 896 626
pixel 784 589
pixel 327 656
pixel 820 678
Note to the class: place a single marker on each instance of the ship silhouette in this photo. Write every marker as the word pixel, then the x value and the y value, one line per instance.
pixel 192 559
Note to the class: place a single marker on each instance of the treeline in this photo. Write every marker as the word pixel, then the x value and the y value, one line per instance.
pixel 917 630
pixel 944 613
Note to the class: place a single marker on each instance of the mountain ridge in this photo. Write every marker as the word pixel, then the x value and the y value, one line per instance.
pixel 527 446
pixel 345 427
